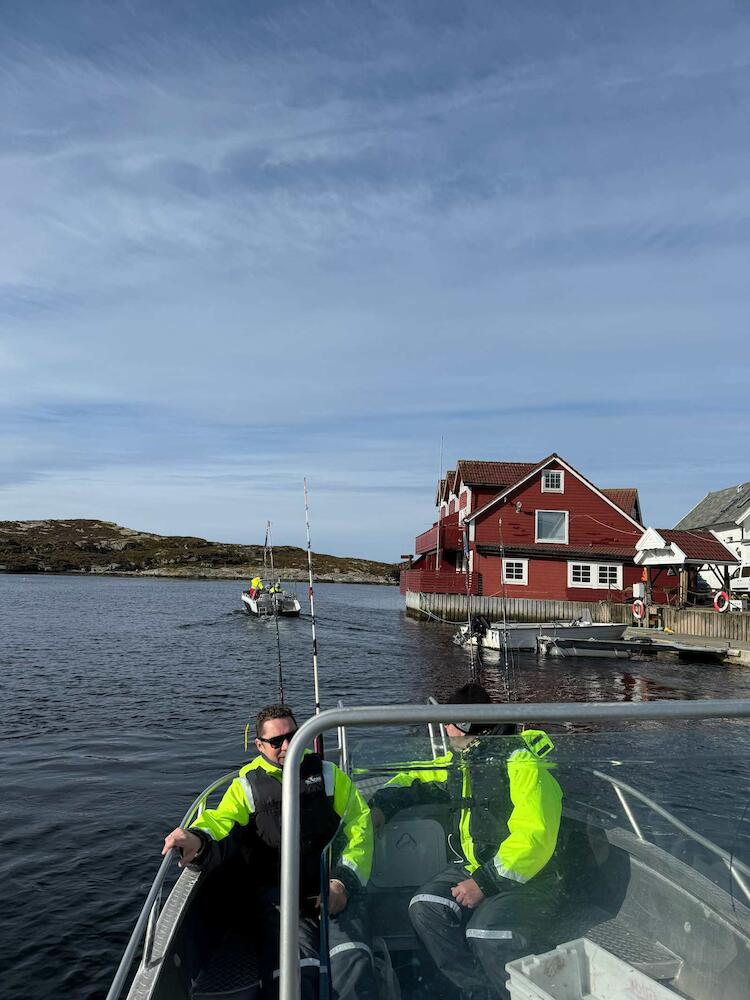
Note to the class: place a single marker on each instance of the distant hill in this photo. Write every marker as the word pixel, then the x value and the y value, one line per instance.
pixel 86 546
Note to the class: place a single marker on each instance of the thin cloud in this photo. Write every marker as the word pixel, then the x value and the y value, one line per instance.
pixel 244 243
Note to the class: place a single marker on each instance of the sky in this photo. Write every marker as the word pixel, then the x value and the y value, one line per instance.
pixel 248 242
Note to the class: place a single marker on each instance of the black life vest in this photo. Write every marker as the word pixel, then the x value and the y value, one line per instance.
pixel 318 823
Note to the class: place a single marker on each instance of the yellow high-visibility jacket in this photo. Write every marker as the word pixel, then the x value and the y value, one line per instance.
pixel 248 819
pixel 503 804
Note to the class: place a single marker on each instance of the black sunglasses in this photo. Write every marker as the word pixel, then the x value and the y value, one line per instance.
pixel 277 742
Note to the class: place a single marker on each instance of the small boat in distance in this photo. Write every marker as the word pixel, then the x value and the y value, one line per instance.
pixel 270 599
pixel 265 596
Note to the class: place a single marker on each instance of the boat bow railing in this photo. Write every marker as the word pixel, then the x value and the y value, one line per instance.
pixel 145 925
pixel 431 714
pixel 737 869
pixel 289 985
pixel 149 914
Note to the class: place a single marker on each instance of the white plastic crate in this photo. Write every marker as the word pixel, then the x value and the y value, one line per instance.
pixel 580 970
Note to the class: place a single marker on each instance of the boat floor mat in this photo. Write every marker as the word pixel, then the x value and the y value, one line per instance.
pixel 636 949
pixel 231 972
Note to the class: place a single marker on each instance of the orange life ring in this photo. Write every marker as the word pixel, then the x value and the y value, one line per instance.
pixel 639 609
pixel 721 601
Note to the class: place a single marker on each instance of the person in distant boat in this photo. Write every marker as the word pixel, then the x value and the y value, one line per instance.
pixel 248 821
pixel 256 586
pixel 275 588
pixel 504 809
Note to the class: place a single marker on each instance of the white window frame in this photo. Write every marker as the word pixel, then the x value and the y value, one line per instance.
pixel 608 585
pixel 580 583
pixel 553 489
pixel 594 571
pixel 551 541
pixel 523 582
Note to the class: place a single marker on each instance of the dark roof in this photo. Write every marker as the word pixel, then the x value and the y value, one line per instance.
pixel 492 473
pixel 445 485
pixel 699 545
pixel 721 507
pixel 626 499
pixel 623 553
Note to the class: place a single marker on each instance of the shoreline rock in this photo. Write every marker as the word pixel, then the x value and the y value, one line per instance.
pixel 102 548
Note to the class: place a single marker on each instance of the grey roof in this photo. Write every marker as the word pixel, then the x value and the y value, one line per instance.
pixel 721 507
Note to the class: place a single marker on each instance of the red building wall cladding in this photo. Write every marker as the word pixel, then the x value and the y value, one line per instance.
pixel 480 496
pixel 591 519
pixel 548 581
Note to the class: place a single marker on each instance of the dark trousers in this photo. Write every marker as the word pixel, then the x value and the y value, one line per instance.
pixel 352 973
pixel 471 947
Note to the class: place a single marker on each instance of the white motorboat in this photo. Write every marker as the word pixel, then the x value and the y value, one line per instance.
pixel 649 905
pixel 266 597
pixel 524 635
pixel 270 601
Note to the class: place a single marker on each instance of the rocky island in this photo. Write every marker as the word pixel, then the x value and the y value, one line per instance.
pixel 102 547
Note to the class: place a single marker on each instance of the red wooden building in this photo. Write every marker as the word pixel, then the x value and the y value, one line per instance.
pixel 530 529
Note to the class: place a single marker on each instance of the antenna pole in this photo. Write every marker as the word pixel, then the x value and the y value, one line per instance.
pixel 440 510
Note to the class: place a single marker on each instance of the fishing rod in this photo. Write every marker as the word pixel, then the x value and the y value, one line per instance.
pixel 325 969
pixel 268 546
pixel 311 598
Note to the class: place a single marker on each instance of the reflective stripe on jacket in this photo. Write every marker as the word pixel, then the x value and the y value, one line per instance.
pixel 506 805
pixel 343 813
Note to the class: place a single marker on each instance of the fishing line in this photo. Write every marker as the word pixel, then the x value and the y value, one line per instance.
pixel 268 547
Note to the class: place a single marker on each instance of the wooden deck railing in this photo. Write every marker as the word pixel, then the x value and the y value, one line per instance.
pixel 424 581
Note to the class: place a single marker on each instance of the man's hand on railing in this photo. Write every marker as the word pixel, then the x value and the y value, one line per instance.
pixel 187 843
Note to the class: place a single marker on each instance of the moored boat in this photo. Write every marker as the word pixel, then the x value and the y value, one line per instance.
pixel 524 635
pixel 563 646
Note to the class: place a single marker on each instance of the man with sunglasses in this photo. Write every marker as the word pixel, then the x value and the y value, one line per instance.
pixel 247 822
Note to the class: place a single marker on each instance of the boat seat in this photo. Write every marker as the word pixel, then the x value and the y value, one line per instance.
pixel 231 971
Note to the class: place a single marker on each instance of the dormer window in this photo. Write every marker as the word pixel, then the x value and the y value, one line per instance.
pixel 553 481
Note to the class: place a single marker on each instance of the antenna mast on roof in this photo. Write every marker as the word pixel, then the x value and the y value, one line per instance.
pixel 440 508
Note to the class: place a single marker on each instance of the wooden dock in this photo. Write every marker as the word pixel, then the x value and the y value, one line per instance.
pixel 704 623
pixel 455 608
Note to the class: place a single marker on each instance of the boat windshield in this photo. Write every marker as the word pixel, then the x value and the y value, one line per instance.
pixel 630 849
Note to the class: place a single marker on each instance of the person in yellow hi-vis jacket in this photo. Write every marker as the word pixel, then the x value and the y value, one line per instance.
pixel 247 822
pixel 504 808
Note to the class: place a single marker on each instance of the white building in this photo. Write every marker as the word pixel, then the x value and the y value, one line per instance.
pixel 726 513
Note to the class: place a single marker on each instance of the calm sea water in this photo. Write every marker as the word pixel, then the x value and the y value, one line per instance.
pixel 121 699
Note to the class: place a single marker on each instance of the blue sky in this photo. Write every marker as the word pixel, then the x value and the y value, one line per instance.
pixel 244 243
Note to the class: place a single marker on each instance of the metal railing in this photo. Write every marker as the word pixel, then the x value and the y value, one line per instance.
pixel 289 986
pixel 428 581
pixel 433 715
pixel 734 866
pixel 150 912
pixel 149 915
pixel 438 741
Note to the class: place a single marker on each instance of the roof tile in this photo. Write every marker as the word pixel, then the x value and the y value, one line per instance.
pixel 698 544
pixel 626 498
pixel 477 473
